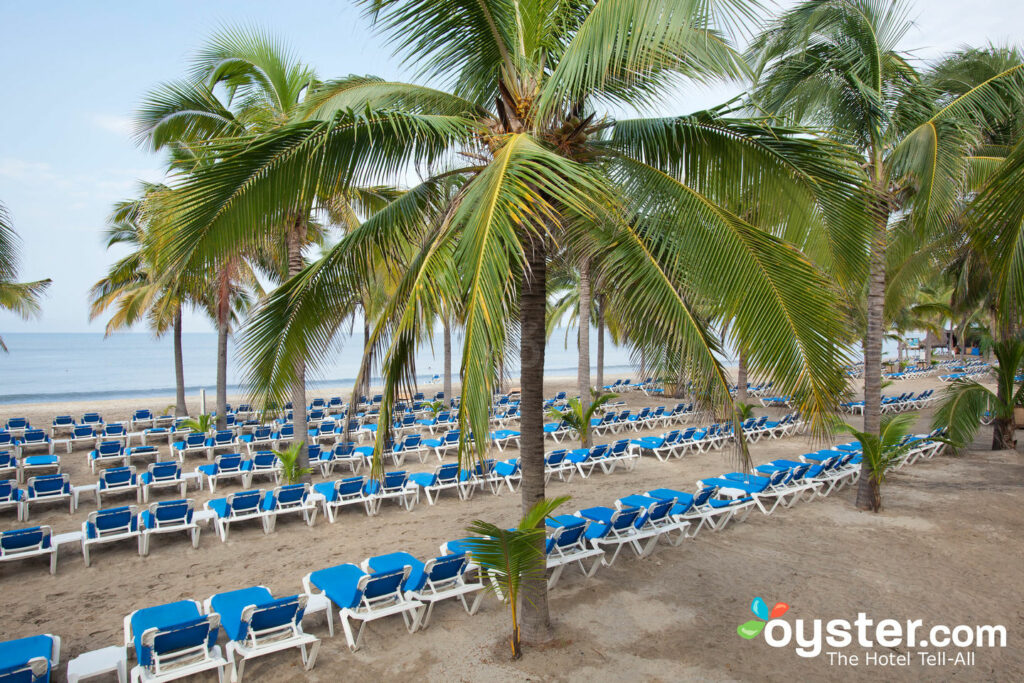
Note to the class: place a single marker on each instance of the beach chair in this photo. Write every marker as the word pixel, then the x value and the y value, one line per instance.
pixel 62 424
pixel 169 516
pixel 48 488
pixel 193 443
pixel 141 452
pixel 29 660
pixel 173 641
pixel 21 544
pixel 584 460
pixel 163 475
pixel 350 491
pixel 30 465
pixel 265 464
pixel 228 466
pixel 107 452
pixel 362 597
pixel 397 487
pixel 17 425
pixel 502 438
pixel 115 480
pixel 283 436
pixel 8 464
pixel 504 473
pixel 12 497
pixel 557 430
pixel 449 441
pixel 341 454
pixel 555 464
pixel 141 419
pixel 110 526
pixel 257 624
pixel 282 500
pixel 222 440
pixel 694 508
pixel 260 437
pixel 567 544
pixel 237 507
pixel 657 520
pixel 430 582
pixel 113 431
pixel 34 440
pixel 94 420
pixel 443 478
pixel 616 528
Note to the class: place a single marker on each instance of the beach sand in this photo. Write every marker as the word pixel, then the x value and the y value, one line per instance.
pixel 945 549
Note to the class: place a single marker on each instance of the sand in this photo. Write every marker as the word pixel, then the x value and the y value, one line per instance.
pixel 945 549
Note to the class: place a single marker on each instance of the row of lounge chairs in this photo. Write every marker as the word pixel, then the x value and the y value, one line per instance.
pixel 180 639
pixel 894 404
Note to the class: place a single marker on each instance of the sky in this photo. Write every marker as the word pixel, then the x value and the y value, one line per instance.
pixel 74 73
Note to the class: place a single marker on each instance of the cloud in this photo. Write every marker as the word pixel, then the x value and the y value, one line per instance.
pixel 121 125
pixel 19 169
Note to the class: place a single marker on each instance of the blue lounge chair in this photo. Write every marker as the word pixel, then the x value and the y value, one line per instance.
pixel 169 516
pixel 21 544
pixel 162 475
pixel 193 443
pixel 17 425
pixel 615 528
pixel 62 424
pixel 365 597
pixel 94 420
pixel 173 641
pixel 12 497
pixel 256 624
pixel 443 478
pixel 222 440
pixel 35 440
pixel 117 480
pixel 282 500
pixel 142 452
pixel 48 488
pixel 229 466
pixel 114 431
pixel 238 507
pixel 107 452
pixel 110 526
pixel 504 473
pixel 36 464
pixel 350 491
pixel 81 434
pixel 265 464
pixel 29 660
pixel 567 544
pixel 657 520
pixel 8 464
pixel 430 582
pixel 142 418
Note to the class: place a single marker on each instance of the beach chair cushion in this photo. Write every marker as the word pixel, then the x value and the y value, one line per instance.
pixel 340 584
pixel 16 654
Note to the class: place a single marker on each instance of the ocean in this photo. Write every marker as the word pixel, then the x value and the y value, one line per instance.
pixel 67 367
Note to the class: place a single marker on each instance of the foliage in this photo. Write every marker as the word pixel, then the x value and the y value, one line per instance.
pixel 884 451
pixel 744 410
pixel 21 298
pixel 965 401
pixel 508 558
pixel 291 471
pixel 200 424
pixel 579 419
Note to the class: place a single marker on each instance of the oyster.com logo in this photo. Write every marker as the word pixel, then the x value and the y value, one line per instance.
pixel 885 642
pixel 751 629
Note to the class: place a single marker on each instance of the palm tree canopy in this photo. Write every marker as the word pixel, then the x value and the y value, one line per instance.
pixel 522 153
pixel 21 298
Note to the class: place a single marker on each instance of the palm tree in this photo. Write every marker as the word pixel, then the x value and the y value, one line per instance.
pixel 264 85
pixel 133 286
pixel 578 414
pixel 21 298
pixel 537 163
pixel 836 63
pixel 966 401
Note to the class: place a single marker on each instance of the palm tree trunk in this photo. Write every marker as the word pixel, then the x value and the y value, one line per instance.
pixel 532 310
pixel 1004 429
pixel 741 377
pixel 583 338
pixel 180 409
pixel 365 389
pixel 447 361
pixel 296 239
pixel 928 356
pixel 600 344
pixel 223 319
pixel 867 488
